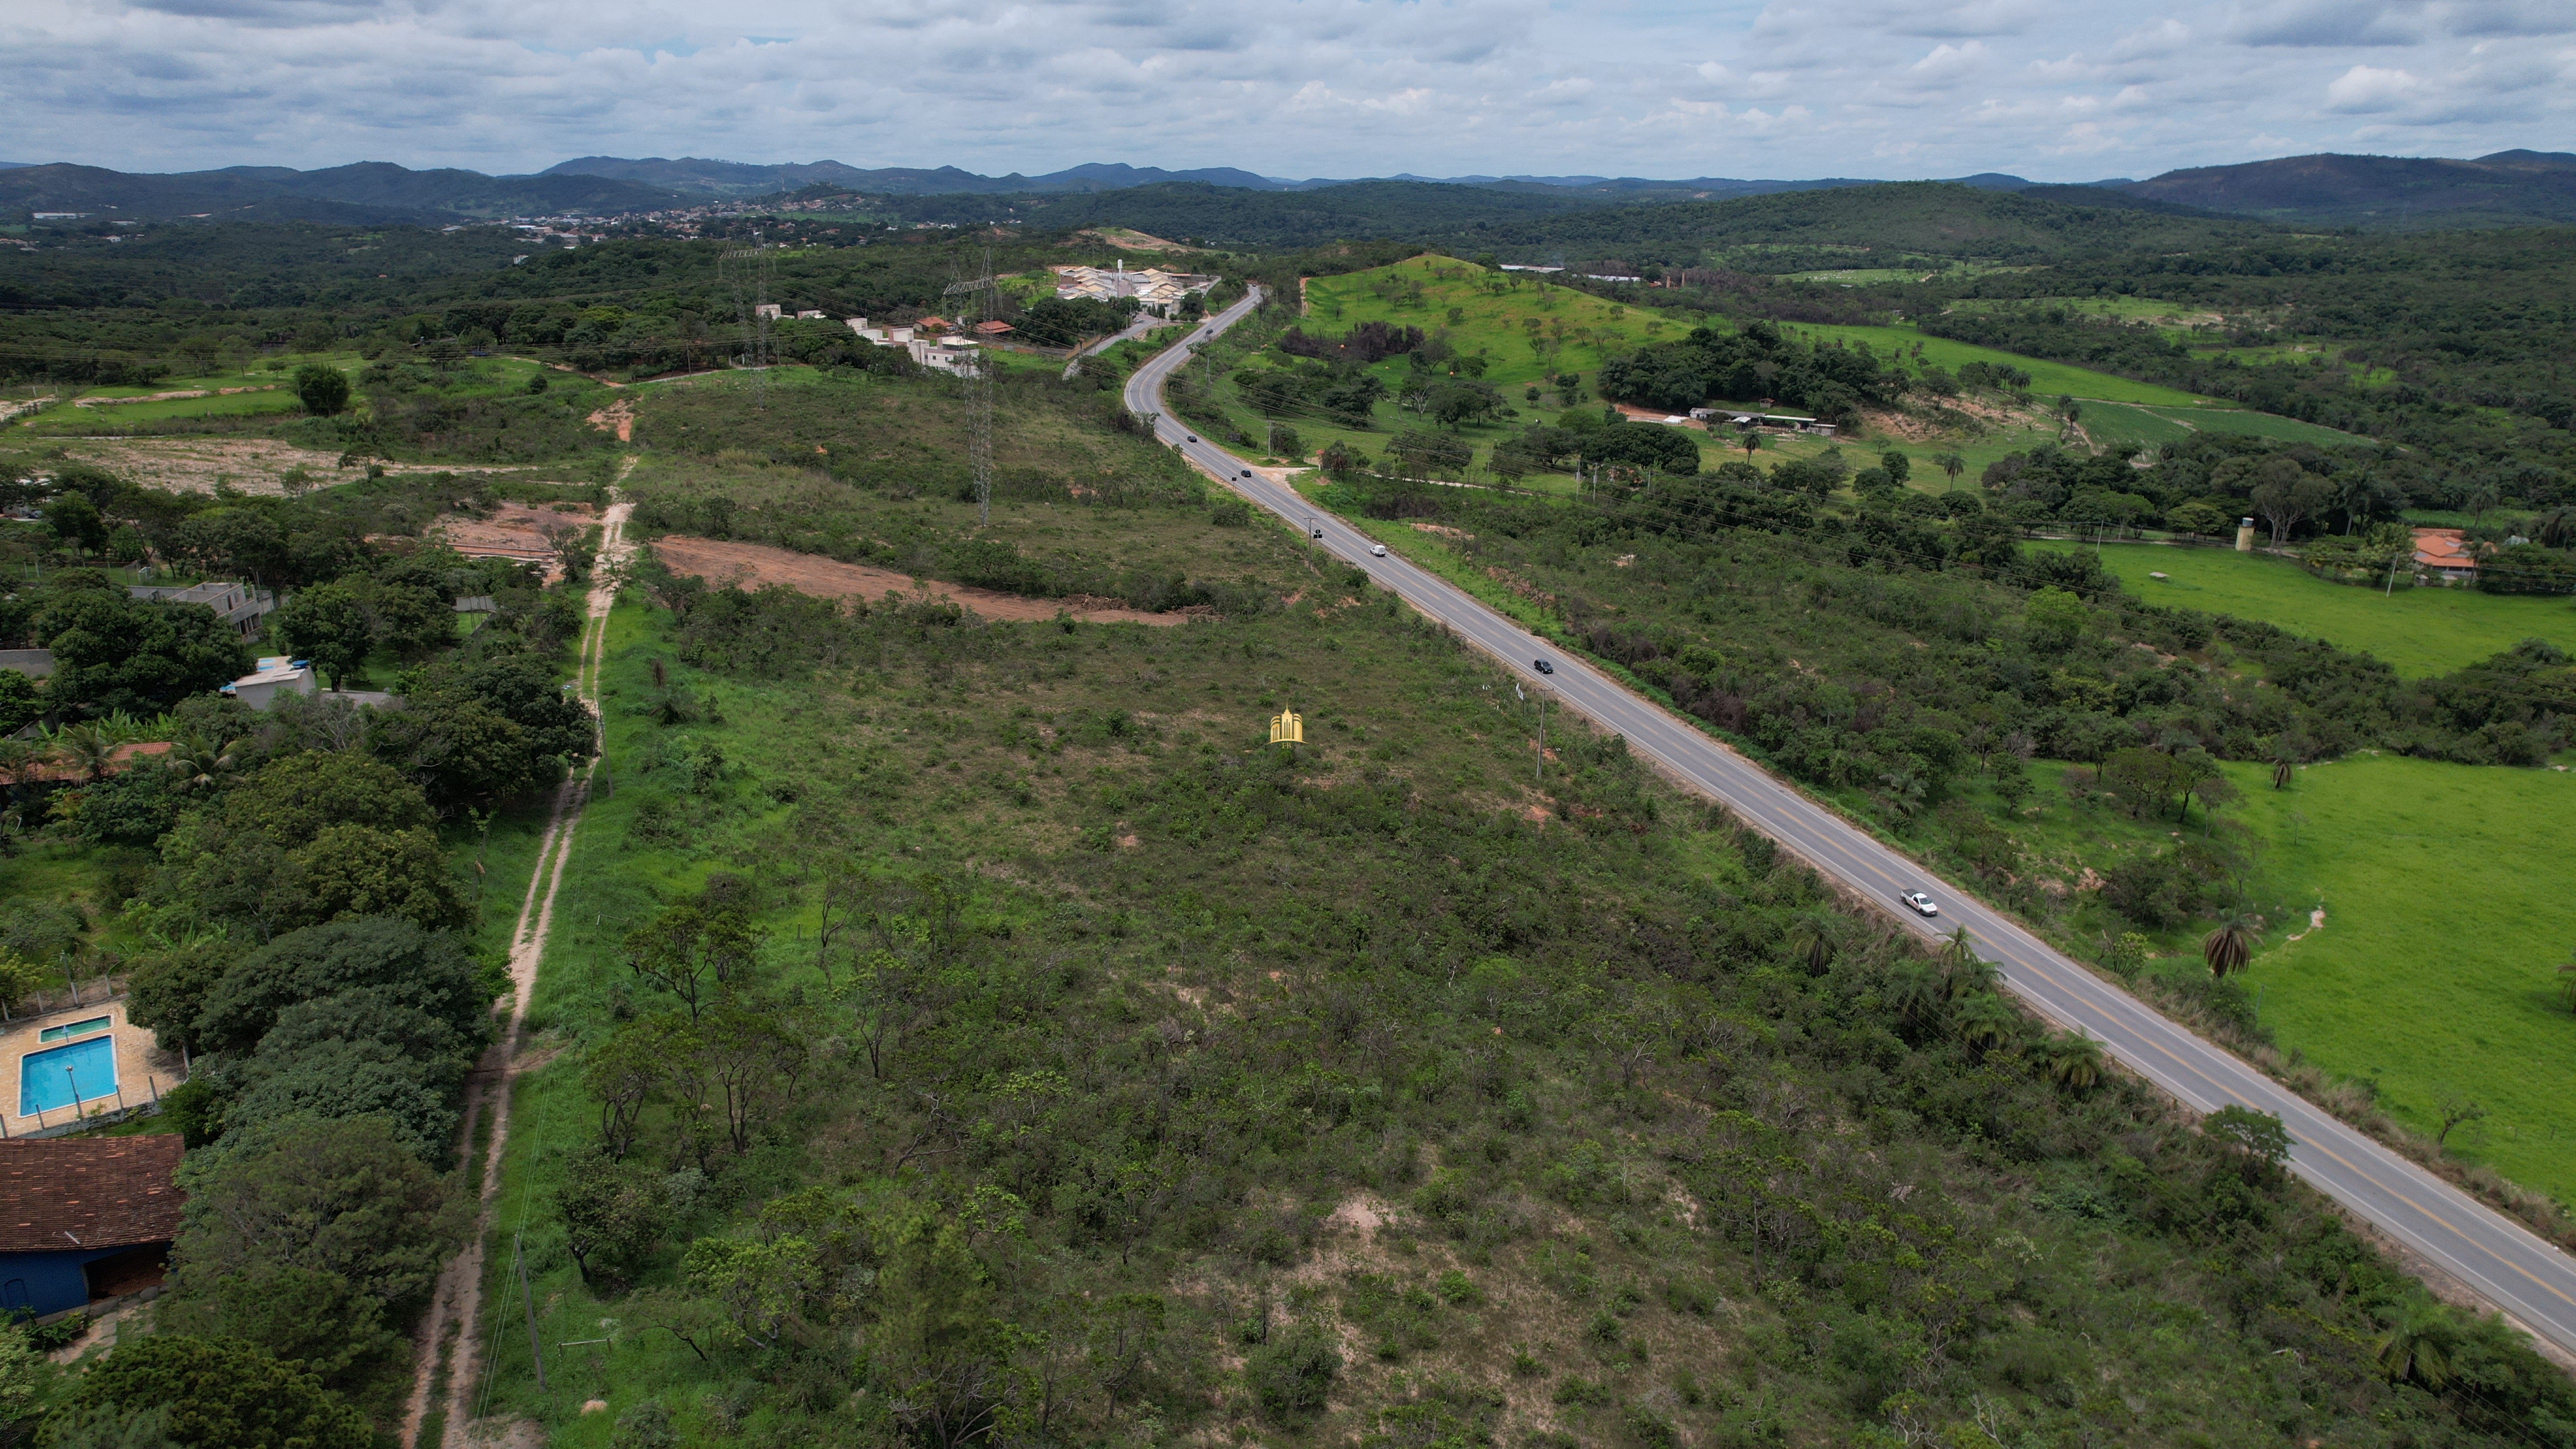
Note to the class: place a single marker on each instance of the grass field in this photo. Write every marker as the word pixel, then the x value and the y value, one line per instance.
pixel 2260 425
pixel 1581 331
pixel 2444 888
pixel 2418 631
pixel 243 392
pixel 2046 378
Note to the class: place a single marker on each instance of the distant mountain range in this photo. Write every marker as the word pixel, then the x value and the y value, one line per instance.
pixel 368 191
pixel 734 178
pixel 2509 187
pixel 2381 191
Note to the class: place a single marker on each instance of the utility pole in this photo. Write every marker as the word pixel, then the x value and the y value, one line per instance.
pixel 979 391
pixel 747 271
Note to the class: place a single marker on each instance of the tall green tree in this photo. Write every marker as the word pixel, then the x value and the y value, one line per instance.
pixel 328 625
pixel 324 390
pixel 220 1392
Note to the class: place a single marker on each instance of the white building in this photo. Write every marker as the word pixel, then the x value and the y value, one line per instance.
pixel 1153 288
pixel 241 605
pixel 275 675
pixel 947 352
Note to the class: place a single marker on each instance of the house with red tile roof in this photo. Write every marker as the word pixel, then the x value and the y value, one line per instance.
pixel 2444 555
pixel 85 1218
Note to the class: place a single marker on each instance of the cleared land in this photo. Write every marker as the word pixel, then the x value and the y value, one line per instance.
pixel 2417 631
pixel 753 565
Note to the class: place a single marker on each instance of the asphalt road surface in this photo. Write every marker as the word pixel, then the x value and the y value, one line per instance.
pixel 2511 1267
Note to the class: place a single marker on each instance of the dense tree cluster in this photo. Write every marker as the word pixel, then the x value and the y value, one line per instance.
pixel 1751 364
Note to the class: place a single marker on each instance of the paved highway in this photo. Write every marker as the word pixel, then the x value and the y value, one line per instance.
pixel 2511 1267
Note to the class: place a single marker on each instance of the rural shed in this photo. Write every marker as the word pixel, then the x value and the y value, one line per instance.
pixel 85 1218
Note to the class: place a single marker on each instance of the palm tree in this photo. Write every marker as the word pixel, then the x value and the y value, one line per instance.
pixel 1915 995
pixel 17 757
pixel 2414 1342
pixel 2285 759
pixel 1815 948
pixel 1986 1024
pixel 197 763
pixel 1963 972
pixel 2482 498
pixel 85 748
pixel 2228 948
pixel 2073 1062
pixel 1952 464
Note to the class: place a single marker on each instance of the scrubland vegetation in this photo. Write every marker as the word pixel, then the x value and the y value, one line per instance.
pixel 958 1031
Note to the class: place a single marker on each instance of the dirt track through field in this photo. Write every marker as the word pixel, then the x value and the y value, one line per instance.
pixel 458 1302
pixel 751 565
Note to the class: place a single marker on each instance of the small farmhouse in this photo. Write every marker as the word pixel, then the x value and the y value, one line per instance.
pixel 84 1219
pixel 2442 556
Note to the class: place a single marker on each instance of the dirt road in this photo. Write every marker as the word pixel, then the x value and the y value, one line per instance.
pixel 458 1303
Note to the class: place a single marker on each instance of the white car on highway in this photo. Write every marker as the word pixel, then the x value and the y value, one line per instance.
pixel 1377 550
pixel 1918 903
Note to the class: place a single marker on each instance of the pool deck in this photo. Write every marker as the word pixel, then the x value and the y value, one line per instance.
pixel 140 1065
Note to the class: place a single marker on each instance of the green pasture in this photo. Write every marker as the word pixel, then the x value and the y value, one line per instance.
pixel 267 370
pixel 2047 379
pixel 2254 424
pixel 2107 422
pixel 2417 631
pixel 97 419
pixel 1865 276
pixel 2170 316
pixel 1580 331
pixel 2435 974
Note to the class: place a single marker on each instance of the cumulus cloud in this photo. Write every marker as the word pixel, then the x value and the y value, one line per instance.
pixel 1288 87
pixel 2368 88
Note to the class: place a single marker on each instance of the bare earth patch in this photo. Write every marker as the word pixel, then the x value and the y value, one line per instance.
pixel 618 417
pixel 1134 241
pixel 751 565
pixel 249 465
pixel 516 530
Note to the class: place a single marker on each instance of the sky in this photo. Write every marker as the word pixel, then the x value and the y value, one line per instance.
pixel 2055 90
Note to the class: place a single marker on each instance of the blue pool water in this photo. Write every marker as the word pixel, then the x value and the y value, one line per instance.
pixel 48 1080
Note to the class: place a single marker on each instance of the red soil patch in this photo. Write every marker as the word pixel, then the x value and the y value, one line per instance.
pixel 515 530
pixel 750 565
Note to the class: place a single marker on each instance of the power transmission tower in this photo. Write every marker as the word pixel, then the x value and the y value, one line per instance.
pixel 979 388
pixel 747 271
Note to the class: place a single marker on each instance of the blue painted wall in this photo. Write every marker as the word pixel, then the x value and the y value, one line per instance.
pixel 46 1283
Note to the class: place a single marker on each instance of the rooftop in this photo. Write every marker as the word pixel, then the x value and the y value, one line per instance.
pixel 65 1194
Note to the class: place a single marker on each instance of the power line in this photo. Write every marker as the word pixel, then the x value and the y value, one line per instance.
pixel 979 388
pixel 747 273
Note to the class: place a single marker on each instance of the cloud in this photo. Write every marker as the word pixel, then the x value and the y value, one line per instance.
pixel 1287 87
pixel 2368 88
pixel 2330 22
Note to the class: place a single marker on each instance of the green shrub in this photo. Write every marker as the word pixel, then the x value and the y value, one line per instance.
pixel 1292 1374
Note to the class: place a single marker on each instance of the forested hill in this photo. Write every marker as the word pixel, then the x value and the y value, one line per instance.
pixel 1937 218
pixel 2507 188
pixel 366 189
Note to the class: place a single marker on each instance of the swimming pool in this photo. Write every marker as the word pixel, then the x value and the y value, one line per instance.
pixel 81 1072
